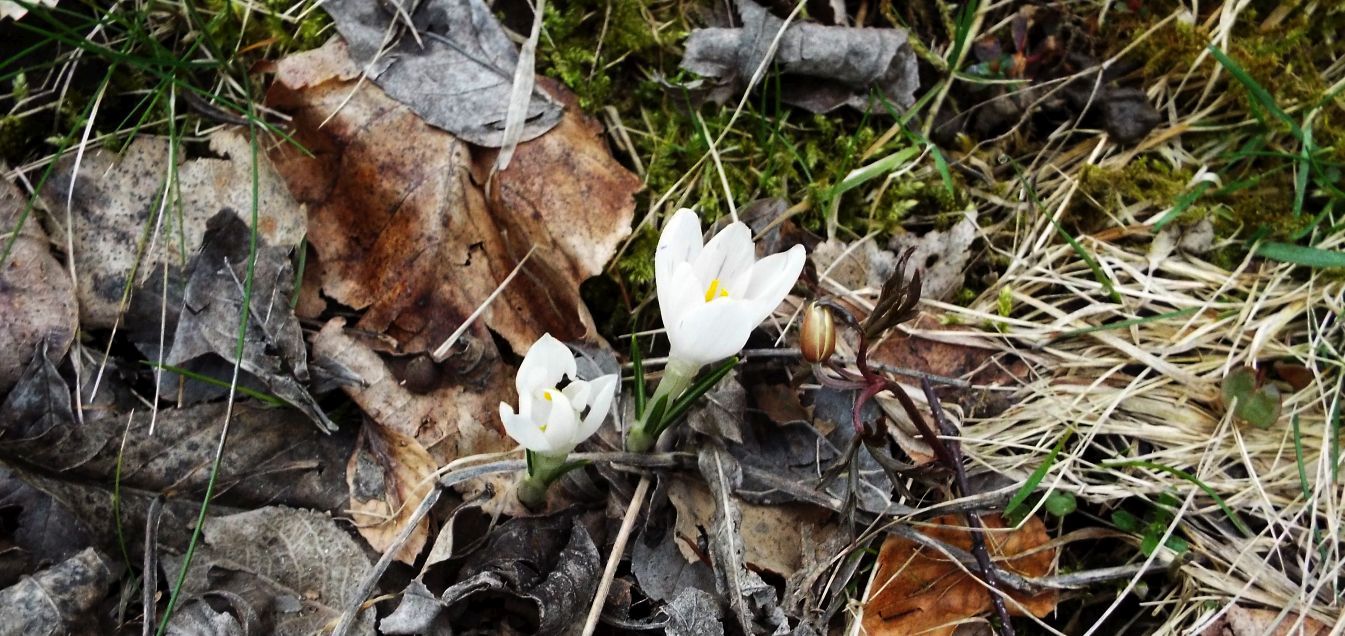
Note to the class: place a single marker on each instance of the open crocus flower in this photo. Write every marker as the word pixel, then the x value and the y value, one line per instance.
pixel 712 296
pixel 550 420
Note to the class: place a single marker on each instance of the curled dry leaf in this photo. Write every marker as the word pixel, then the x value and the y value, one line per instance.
pixel 389 475
pixel 827 67
pixel 60 599
pixel 918 590
pixel 37 302
pixel 403 231
pixel 117 202
pixel 457 73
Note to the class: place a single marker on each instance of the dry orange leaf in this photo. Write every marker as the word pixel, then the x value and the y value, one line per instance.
pixel 918 590
pixel 403 231
pixel 389 475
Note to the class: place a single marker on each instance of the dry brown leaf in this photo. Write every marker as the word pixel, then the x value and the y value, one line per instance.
pixel 1243 621
pixel 918 590
pixel 389 475
pixel 402 229
pixel 978 365
pixel 772 535
pixel 453 418
pixel 37 302
pixel 117 197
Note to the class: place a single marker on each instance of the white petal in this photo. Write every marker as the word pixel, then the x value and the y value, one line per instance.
pixel 678 294
pixel 562 424
pixel 679 243
pixel 728 255
pixel 523 430
pixel 714 331
pixel 578 392
pixel 604 389
pixel 774 276
pixel 548 361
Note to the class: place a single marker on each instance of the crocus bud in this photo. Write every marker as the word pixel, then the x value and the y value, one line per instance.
pixel 817 336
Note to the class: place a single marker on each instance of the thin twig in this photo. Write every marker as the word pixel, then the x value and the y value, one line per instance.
pixel 614 559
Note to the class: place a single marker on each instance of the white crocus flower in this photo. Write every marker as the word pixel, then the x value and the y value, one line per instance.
pixel 712 296
pixel 551 421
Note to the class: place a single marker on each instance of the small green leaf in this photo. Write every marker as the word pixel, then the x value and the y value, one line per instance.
pixel 1258 406
pixel 1150 543
pixel 1301 255
pixel 1059 503
pixel 1125 521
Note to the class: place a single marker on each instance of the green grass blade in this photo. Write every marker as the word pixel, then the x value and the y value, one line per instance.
pixel 1037 475
pixel 1123 324
pixel 1298 456
pixel 1301 255
pixel 1258 93
pixel 859 176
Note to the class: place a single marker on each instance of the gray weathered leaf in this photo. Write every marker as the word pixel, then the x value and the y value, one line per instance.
pixel 297 568
pixel 663 573
pixel 198 618
pixel 457 75
pixel 207 328
pixel 826 66
pixel 58 600
pixel 37 301
pixel 942 256
pixel 693 613
pixel 719 415
pixel 525 560
pixel 42 529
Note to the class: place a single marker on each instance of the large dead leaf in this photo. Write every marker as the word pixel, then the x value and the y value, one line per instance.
pixel 389 475
pixel 117 199
pixel 295 568
pixel 37 303
pixel 451 418
pixel 918 590
pixel 402 230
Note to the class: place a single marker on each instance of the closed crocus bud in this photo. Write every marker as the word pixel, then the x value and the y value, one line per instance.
pixel 817 336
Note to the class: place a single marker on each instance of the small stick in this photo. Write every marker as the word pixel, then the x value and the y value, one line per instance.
pixel 977 528
pixel 614 559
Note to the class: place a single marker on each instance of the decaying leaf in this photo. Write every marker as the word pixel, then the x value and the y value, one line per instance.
pixel 918 590
pixel 42 531
pixel 37 416
pixel 58 600
pixel 456 72
pixel 454 417
pixel 198 618
pixel 389 475
pixel 826 67
pixel 693 612
pixel 940 255
pixel 117 202
pixel 37 302
pixel 536 566
pixel 403 231
pixel 295 568
pixel 663 572
pixel 1248 621
pixel 207 330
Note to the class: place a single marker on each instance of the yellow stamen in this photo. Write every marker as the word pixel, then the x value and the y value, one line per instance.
pixel 546 395
pixel 715 291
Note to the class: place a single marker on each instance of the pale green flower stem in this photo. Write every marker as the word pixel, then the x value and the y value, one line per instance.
pixel 677 377
pixel 542 470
